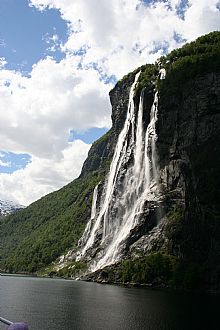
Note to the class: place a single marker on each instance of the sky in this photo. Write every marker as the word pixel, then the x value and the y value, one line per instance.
pixel 58 61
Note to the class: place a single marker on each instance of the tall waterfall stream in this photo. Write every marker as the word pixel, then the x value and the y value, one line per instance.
pixel 127 187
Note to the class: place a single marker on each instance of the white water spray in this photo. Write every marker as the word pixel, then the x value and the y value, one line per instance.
pixel 88 228
pixel 128 187
pixel 114 169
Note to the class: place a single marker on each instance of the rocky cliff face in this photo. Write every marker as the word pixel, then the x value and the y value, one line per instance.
pixel 101 152
pixel 188 151
pixel 188 146
pixel 183 221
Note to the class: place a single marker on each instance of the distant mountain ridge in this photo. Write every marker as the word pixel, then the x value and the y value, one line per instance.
pixel 9 207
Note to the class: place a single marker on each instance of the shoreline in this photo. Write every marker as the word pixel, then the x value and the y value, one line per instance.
pixel 151 286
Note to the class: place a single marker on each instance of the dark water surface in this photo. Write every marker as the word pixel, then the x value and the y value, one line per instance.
pixel 47 304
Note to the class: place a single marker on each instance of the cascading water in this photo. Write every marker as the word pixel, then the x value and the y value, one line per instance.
pixel 127 187
pixel 113 173
pixel 89 225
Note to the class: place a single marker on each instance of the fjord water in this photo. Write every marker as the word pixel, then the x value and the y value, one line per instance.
pixel 47 304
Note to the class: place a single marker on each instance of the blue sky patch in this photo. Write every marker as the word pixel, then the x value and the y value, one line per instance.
pixel 88 136
pixel 183 6
pixel 164 46
pixel 11 162
pixel 178 38
pixel 19 23
pixel 152 2
pixel 103 76
pixel 180 9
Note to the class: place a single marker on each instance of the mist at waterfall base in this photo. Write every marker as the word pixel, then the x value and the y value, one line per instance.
pixel 47 304
pixel 132 180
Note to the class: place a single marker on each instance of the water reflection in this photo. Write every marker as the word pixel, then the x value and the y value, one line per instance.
pixel 47 304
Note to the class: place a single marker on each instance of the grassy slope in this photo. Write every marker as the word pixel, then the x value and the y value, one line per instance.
pixel 37 235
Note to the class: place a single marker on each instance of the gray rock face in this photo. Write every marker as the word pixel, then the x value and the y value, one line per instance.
pixel 184 222
pixel 102 150
pixel 188 149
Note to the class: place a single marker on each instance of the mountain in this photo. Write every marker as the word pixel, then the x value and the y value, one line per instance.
pixel 8 207
pixel 146 207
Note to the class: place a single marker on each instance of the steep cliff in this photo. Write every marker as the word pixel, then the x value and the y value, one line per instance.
pixel 154 180
pixel 179 225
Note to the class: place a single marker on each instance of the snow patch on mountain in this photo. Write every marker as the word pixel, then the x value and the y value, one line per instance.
pixel 8 207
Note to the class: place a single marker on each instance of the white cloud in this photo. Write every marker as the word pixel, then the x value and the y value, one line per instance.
pixel 201 17
pixel 42 109
pixel 3 62
pixel 4 164
pixel 52 41
pixel 43 175
pixel 110 30
pixel 37 112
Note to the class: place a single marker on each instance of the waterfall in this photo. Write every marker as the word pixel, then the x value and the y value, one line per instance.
pixel 94 201
pixel 162 73
pixel 139 185
pixel 150 146
pixel 114 169
pixel 128 187
pixel 87 230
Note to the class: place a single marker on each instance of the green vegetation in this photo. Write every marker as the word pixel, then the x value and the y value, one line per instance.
pixel 36 236
pixel 102 139
pixel 33 238
pixel 195 58
pixel 129 75
pixel 174 225
pixel 158 270
pixel 73 269
pixel 182 64
pixel 147 77
pixel 156 267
